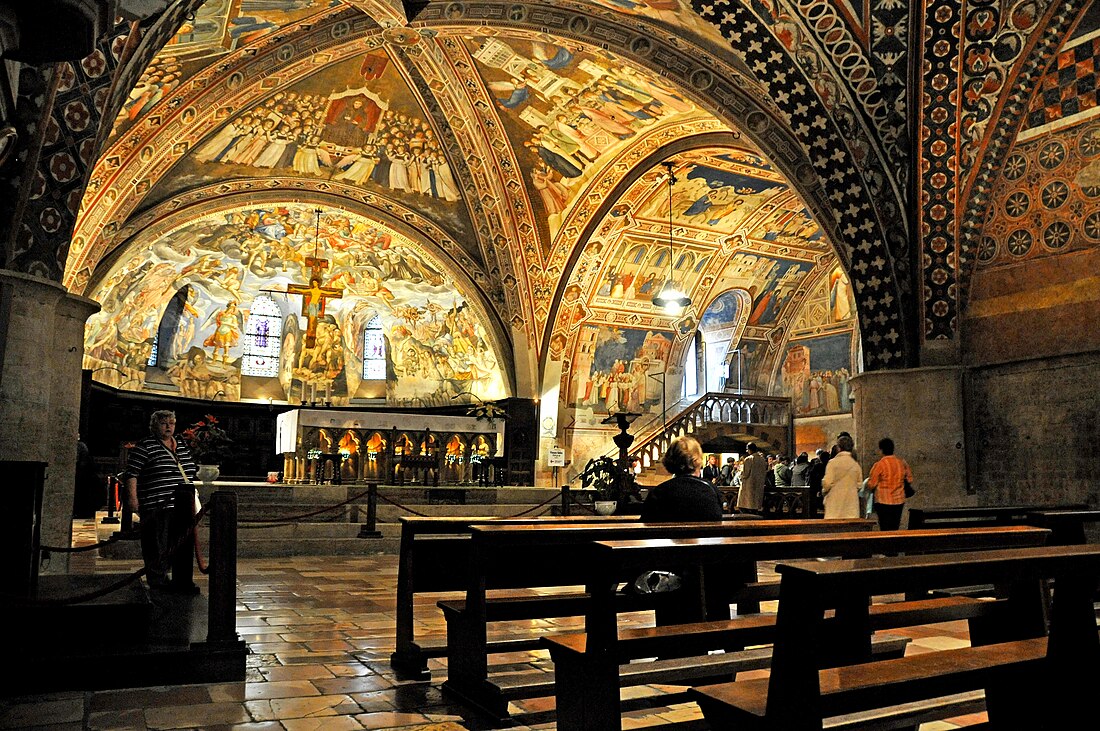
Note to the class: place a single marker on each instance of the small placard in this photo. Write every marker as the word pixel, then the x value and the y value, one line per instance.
pixel 556 457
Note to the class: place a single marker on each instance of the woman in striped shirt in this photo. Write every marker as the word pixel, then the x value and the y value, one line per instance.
pixel 156 468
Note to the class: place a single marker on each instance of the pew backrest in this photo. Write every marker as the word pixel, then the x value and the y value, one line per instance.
pixel 970 516
pixel 611 560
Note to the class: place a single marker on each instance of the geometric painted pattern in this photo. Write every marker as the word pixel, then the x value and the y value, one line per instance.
pixel 1069 87
pixel 73 134
pixel 939 135
pixel 1047 200
pixel 996 160
pixel 862 249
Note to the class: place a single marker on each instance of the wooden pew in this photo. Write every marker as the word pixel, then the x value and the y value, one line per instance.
pixel 967 517
pixel 434 558
pixel 528 556
pixel 1033 678
pixel 1067 526
pixel 588 666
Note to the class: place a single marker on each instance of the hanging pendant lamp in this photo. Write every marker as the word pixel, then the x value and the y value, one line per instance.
pixel 670 299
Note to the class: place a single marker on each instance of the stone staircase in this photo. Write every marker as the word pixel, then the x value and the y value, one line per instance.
pixel 304 520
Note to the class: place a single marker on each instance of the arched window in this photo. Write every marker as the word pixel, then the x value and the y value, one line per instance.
pixel 374 351
pixel 691 367
pixel 262 338
pixel 172 329
pixel 154 352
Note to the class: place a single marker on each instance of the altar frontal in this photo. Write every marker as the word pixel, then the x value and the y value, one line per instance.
pixel 329 446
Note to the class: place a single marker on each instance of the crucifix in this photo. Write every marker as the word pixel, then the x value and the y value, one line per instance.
pixel 314 294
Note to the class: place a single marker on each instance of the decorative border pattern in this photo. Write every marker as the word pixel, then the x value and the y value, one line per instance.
pixel 1003 135
pixel 123 174
pixel 937 169
pixel 861 247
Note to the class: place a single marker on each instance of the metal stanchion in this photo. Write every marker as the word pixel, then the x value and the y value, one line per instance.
pixel 566 500
pixel 112 500
pixel 370 528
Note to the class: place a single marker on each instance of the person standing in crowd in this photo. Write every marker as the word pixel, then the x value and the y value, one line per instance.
pixel 712 473
pixel 754 470
pixel 816 473
pixel 887 485
pixel 159 471
pixel 782 471
pixel 769 477
pixel 684 497
pixel 800 473
pixel 729 469
pixel 840 485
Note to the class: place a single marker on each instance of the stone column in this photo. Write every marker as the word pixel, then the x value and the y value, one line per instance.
pixel 921 409
pixel 41 348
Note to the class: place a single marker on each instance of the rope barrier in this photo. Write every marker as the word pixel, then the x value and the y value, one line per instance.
pixel 115 586
pixel 536 507
pixel 297 518
pixel 403 507
pixel 201 564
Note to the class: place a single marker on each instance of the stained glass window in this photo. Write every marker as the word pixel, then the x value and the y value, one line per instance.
pixel 154 351
pixel 374 351
pixel 262 338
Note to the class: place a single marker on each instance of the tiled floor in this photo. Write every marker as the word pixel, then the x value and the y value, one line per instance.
pixel 320 631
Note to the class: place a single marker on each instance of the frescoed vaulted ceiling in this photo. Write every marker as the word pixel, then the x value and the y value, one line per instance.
pixel 524 158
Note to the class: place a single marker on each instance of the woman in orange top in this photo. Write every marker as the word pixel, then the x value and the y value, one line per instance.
pixel 887 484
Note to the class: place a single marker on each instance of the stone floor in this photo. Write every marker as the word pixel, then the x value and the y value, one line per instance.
pixel 320 631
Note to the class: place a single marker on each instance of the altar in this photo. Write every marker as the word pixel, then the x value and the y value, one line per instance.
pixel 331 446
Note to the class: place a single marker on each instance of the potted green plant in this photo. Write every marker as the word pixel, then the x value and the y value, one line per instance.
pixel 209 445
pixel 610 481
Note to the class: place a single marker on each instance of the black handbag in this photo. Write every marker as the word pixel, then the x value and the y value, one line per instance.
pixel 909 491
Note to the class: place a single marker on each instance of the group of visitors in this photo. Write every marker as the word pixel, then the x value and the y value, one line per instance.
pixel 836 475
pixel 886 483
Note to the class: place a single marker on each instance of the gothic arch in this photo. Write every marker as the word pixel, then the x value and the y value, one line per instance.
pixel 171 214
pixel 718 86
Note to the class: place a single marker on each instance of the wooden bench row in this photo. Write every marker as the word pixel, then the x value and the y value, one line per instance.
pixel 586 664
pixel 978 516
pixel 506 557
pixel 1035 662
pixel 436 557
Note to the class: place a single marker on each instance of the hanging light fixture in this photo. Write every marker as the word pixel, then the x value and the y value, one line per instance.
pixel 670 299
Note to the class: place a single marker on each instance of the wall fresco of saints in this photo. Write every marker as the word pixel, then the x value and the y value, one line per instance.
pixel 618 369
pixel 568 112
pixel 356 122
pixel 815 374
pixel 203 311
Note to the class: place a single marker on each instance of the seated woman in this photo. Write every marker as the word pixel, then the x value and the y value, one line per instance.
pixel 686 496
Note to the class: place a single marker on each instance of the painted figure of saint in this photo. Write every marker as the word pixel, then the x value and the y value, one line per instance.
pixel 227 332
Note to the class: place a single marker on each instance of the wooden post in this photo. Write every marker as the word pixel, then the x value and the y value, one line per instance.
pixel 222 620
pixel 369 529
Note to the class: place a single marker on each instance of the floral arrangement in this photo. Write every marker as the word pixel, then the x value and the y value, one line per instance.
pixel 609 480
pixel 208 442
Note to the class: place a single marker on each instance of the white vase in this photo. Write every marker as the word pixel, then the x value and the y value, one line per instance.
pixel 605 507
pixel 207 473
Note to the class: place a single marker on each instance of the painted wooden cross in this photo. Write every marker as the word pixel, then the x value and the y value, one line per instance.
pixel 314 296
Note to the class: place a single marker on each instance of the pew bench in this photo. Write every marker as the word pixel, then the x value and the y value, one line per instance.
pixel 978 516
pixel 556 556
pixel 589 666
pixel 433 559
pixel 1067 526
pixel 1037 661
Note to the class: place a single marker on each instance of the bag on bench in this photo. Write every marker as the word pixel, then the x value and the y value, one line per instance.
pixel 656 582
